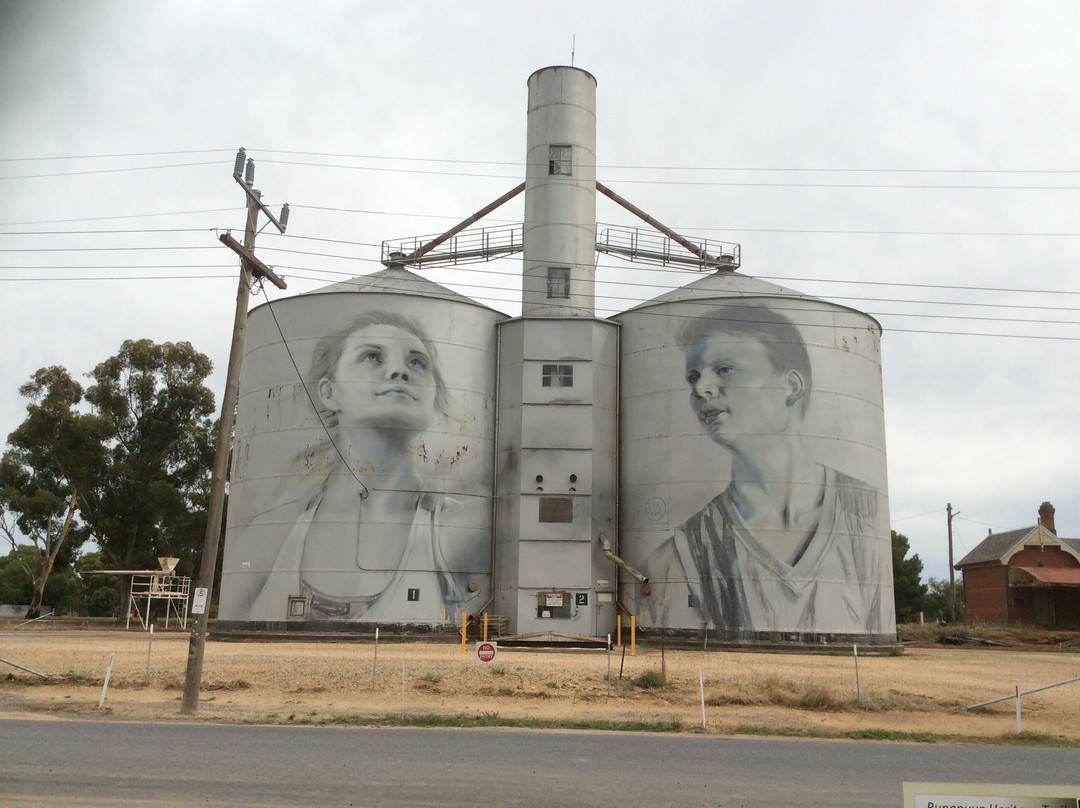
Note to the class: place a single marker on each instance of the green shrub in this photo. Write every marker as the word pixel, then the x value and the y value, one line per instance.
pixel 103 602
pixel 650 679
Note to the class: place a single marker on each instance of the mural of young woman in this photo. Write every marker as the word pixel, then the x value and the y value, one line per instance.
pixel 368 542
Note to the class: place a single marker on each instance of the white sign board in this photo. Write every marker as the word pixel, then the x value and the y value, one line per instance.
pixel 983 795
pixel 198 603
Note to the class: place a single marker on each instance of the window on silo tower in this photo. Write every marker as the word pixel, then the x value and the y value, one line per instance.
pixel 559 160
pixel 557 376
pixel 558 282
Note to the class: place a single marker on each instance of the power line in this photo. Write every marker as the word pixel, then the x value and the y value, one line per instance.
pixel 712 302
pixel 474 289
pixel 621 282
pixel 112 156
pixel 125 232
pixel 117 216
pixel 520 164
pixel 703 183
pixel 76 278
pixel 634 181
pixel 107 171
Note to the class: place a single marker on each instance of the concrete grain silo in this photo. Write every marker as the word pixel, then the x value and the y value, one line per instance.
pixel 753 474
pixel 710 463
pixel 361 478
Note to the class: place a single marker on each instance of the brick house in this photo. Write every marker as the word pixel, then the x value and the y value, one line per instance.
pixel 1028 576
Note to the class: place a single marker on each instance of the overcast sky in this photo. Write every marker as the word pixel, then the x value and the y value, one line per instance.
pixel 915 160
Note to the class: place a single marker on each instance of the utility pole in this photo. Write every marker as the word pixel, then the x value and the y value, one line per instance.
pixel 952 572
pixel 250 267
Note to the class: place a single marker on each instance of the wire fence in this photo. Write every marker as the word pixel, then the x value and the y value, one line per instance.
pixel 929 681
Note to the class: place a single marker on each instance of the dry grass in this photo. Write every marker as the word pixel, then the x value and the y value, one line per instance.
pixel 773 690
pixel 922 691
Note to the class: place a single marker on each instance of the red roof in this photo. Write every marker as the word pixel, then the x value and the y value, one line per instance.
pixel 1053 575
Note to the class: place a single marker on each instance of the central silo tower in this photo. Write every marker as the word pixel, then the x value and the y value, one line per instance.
pixel 558 367
pixel 560 194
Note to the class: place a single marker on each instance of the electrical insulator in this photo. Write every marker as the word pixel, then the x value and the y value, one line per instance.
pixel 238 166
pixel 283 220
pixel 249 172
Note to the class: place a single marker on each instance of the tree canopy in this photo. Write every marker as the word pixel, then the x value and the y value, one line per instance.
pixel 147 496
pixel 125 462
pixel 908 588
pixel 39 477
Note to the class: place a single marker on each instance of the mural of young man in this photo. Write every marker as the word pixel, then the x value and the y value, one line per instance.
pixel 368 541
pixel 790 544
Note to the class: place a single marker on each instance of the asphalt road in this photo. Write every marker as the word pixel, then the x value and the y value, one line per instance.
pixel 92 763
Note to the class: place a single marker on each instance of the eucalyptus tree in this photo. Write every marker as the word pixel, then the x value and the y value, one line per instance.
pixel 40 476
pixel 148 497
pixel 125 462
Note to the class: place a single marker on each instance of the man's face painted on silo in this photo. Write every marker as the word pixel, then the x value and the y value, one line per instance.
pixel 735 390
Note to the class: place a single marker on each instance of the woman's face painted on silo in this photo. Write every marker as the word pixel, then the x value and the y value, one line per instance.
pixel 384 378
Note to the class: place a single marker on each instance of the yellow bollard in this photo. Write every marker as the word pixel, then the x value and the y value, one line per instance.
pixel 633 635
pixel 464 625
pixel 485 626
pixel 618 630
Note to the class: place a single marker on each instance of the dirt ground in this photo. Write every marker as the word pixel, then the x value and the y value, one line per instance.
pixel 924 690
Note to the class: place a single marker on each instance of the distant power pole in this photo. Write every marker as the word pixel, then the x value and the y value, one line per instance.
pixel 250 267
pixel 952 572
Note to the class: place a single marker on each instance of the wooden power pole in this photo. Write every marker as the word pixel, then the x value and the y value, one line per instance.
pixel 250 267
pixel 952 572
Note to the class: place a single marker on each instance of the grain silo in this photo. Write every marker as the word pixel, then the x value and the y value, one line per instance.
pixel 710 463
pixel 753 474
pixel 361 478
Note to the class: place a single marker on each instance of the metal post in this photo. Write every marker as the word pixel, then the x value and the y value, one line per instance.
pixel 149 647
pixel 108 675
pixel 375 660
pixel 701 689
pixel 858 686
pixel 609 664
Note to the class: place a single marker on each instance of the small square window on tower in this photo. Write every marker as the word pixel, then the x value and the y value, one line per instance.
pixel 558 282
pixel 559 160
pixel 558 376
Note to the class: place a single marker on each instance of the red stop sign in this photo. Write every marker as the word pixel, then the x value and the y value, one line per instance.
pixel 485 651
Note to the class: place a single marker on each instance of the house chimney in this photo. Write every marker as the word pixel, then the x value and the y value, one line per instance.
pixel 1046 517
